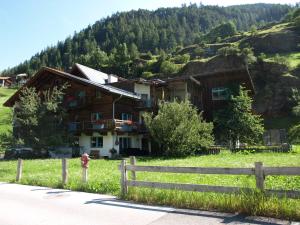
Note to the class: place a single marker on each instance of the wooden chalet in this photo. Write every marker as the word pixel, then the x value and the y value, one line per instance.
pixel 5 81
pixel 105 111
pixel 207 91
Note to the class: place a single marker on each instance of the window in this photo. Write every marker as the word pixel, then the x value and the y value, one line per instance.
pixel 125 142
pixel 126 116
pixel 96 142
pixel 98 94
pixel 220 93
pixel 96 116
pixel 144 97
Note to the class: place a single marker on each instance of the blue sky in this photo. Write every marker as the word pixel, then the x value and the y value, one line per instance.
pixel 28 26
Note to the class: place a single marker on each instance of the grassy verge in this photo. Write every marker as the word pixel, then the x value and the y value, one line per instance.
pixel 104 178
pixel 5 113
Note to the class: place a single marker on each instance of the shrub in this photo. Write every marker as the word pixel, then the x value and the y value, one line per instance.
pixel 180 59
pixel 147 74
pixel 168 67
pixel 229 50
pixel 199 51
pixel 281 60
pixel 248 54
pixel 178 129
pixel 262 56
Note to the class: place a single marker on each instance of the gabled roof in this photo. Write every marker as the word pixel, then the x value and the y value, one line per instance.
pixel 93 75
pixel 105 88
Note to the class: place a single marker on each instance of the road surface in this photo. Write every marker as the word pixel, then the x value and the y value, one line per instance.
pixel 31 205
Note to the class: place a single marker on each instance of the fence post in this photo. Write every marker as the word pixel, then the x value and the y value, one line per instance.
pixel 132 163
pixel 84 174
pixel 64 171
pixel 259 175
pixel 19 170
pixel 123 177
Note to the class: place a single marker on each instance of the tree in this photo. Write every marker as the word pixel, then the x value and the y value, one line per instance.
pixel 178 129
pixel 164 28
pixel 40 118
pixel 253 30
pixel 237 122
pixel 221 31
pixel 168 67
pixel 229 50
pixel 294 134
pixel 133 51
pixel 122 56
pixel 297 22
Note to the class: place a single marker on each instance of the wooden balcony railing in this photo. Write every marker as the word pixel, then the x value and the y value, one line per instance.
pixel 106 125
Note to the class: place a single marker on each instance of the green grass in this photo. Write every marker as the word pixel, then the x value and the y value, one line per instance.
pixel 5 112
pixel 104 178
pixel 273 29
pixel 293 58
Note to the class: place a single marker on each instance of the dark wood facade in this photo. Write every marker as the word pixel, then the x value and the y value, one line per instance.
pixel 84 99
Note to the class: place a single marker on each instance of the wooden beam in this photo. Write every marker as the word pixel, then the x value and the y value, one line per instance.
pixel 287 171
pixel 188 187
pixel 195 80
pixel 197 170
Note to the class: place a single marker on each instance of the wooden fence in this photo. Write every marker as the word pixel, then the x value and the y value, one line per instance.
pixel 259 171
pixel 64 171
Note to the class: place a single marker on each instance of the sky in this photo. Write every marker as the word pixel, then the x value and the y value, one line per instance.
pixel 29 26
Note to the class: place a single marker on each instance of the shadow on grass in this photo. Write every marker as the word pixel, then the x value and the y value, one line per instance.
pixel 227 218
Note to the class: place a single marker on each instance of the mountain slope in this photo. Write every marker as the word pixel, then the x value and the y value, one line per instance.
pixel 144 30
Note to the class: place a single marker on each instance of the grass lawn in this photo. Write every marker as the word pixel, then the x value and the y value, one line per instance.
pixel 104 178
pixel 5 112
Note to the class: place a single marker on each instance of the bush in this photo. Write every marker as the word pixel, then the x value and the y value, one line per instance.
pixel 281 60
pixel 294 134
pixel 168 67
pixel 229 50
pixel 178 129
pixel 147 74
pixel 180 59
pixel 146 56
pixel 248 54
pixel 199 51
pixel 262 56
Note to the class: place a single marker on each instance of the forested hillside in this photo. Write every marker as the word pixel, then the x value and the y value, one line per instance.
pixel 114 43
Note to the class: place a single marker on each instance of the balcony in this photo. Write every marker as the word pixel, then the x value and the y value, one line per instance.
pixel 106 125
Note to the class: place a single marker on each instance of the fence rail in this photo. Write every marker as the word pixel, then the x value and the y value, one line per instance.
pixel 258 171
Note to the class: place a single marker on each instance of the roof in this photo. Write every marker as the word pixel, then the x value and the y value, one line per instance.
pixel 106 88
pixel 135 80
pixel 92 74
pixel 21 75
pixel 5 78
pixel 208 75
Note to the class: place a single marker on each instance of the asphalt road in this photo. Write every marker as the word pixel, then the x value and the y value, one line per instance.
pixel 30 205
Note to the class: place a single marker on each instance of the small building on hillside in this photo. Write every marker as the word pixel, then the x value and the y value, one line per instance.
pixel 21 79
pixel 5 81
pixel 105 112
